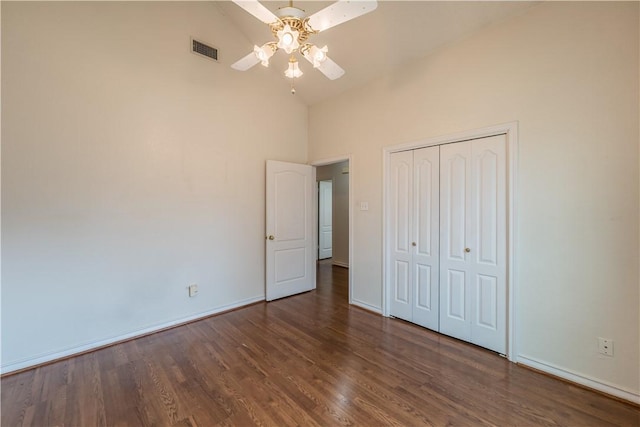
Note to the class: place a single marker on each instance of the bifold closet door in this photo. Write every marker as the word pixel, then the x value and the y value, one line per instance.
pixel 400 219
pixel 414 211
pixel 426 255
pixel 473 241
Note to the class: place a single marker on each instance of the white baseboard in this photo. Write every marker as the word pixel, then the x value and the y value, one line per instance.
pixel 48 357
pixel 341 263
pixel 602 386
pixel 366 306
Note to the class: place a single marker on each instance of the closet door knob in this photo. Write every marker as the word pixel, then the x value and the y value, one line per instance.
pixel 467 250
pixel 413 243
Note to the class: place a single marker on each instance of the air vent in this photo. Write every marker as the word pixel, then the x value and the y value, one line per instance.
pixel 204 49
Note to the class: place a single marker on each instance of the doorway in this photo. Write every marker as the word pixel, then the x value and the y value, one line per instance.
pixel 292 225
pixel 335 172
pixel 333 200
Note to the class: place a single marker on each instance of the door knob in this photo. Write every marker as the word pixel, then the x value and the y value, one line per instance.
pixel 413 243
pixel 467 250
pixel 270 237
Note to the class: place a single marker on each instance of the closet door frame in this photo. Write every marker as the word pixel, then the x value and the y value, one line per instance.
pixel 510 130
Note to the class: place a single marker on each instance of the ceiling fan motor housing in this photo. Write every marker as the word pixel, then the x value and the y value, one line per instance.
pixel 296 24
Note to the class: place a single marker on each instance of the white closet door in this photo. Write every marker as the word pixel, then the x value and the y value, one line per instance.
pixel 473 242
pixel 488 256
pixel 426 174
pixel 400 220
pixel 456 231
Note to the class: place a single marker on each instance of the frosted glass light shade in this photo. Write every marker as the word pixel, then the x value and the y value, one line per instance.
pixel 318 55
pixel 263 53
pixel 293 72
pixel 288 39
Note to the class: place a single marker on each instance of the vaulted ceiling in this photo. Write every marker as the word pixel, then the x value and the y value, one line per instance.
pixel 393 35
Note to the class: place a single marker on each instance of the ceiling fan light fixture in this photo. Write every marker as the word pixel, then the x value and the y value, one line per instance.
pixel 288 39
pixel 294 71
pixel 263 53
pixel 318 55
pixel 291 28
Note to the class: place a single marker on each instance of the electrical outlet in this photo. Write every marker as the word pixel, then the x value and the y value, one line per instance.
pixel 193 290
pixel 605 346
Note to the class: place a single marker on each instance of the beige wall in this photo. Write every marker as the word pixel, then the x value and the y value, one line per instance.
pixel 131 168
pixel 568 73
pixel 340 208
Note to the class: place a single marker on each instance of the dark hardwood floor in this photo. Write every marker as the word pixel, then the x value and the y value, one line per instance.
pixel 306 360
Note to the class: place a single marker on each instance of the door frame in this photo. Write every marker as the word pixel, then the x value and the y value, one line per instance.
pixel 329 161
pixel 510 130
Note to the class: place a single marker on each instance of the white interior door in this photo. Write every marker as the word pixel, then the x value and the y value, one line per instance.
pixel 426 264
pixel 473 242
pixel 325 229
pixel 290 255
pixel 400 234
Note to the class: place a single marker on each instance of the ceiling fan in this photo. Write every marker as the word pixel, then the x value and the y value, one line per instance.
pixel 291 29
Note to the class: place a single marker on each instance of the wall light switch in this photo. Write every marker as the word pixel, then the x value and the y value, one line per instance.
pixel 364 206
pixel 193 290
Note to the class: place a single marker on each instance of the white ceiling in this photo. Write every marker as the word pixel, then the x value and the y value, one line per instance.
pixel 396 33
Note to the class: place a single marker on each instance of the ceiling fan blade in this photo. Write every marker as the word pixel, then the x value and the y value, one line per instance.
pixel 339 12
pixel 331 69
pixel 245 63
pixel 327 67
pixel 255 8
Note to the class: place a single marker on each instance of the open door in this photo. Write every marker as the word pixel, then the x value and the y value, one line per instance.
pixel 290 255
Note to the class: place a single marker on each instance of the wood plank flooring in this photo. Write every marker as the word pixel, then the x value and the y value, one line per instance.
pixel 309 360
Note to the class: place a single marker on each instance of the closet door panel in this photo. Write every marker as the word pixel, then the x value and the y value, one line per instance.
pixel 426 179
pixel 456 229
pixel 488 260
pixel 401 280
pixel 456 291
pixel 456 194
pixel 400 236
pixel 486 297
pixel 424 288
